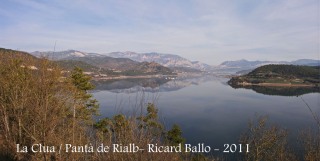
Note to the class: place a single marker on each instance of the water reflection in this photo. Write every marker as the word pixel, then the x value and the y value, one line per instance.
pixel 207 109
pixel 280 91
pixel 152 85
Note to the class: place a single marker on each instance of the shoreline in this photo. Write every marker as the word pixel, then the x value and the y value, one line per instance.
pixel 136 77
pixel 276 84
pixel 170 77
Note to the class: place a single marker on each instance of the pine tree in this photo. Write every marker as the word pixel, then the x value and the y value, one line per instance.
pixel 87 105
pixel 174 136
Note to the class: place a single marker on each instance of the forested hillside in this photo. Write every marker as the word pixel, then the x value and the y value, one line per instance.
pixel 43 110
pixel 275 75
pixel 289 71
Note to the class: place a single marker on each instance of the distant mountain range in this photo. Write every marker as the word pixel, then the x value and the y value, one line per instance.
pixel 63 55
pixel 93 62
pixel 168 60
pixel 253 64
pixel 129 60
pixel 244 66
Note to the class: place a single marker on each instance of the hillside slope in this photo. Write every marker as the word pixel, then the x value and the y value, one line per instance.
pixel 8 53
pixel 280 75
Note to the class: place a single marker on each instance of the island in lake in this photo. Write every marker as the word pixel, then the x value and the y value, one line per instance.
pixel 286 80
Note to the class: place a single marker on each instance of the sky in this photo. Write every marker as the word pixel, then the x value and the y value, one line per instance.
pixel 210 31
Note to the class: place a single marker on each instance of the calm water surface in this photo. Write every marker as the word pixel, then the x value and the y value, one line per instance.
pixel 207 109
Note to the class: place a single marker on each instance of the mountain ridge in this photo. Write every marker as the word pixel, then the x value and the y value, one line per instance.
pixel 91 63
pixel 167 60
pixel 244 66
pixel 66 54
pixel 175 62
pixel 256 63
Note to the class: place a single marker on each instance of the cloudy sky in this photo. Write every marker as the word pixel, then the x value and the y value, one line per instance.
pixel 206 30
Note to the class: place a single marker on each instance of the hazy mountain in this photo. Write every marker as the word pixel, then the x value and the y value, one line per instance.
pixel 129 60
pixel 168 60
pixel 124 65
pixel 60 55
pixel 245 65
pixel 69 65
pixel 96 62
pixel 309 62
pixel 107 62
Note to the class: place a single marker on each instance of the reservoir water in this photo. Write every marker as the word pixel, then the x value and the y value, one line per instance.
pixel 207 109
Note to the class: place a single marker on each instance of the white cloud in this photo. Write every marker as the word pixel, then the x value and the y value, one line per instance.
pixel 210 31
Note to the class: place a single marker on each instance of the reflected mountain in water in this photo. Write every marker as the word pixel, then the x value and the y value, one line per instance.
pixel 152 85
pixel 280 91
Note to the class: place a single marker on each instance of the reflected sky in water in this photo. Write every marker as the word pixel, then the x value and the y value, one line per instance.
pixel 211 112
